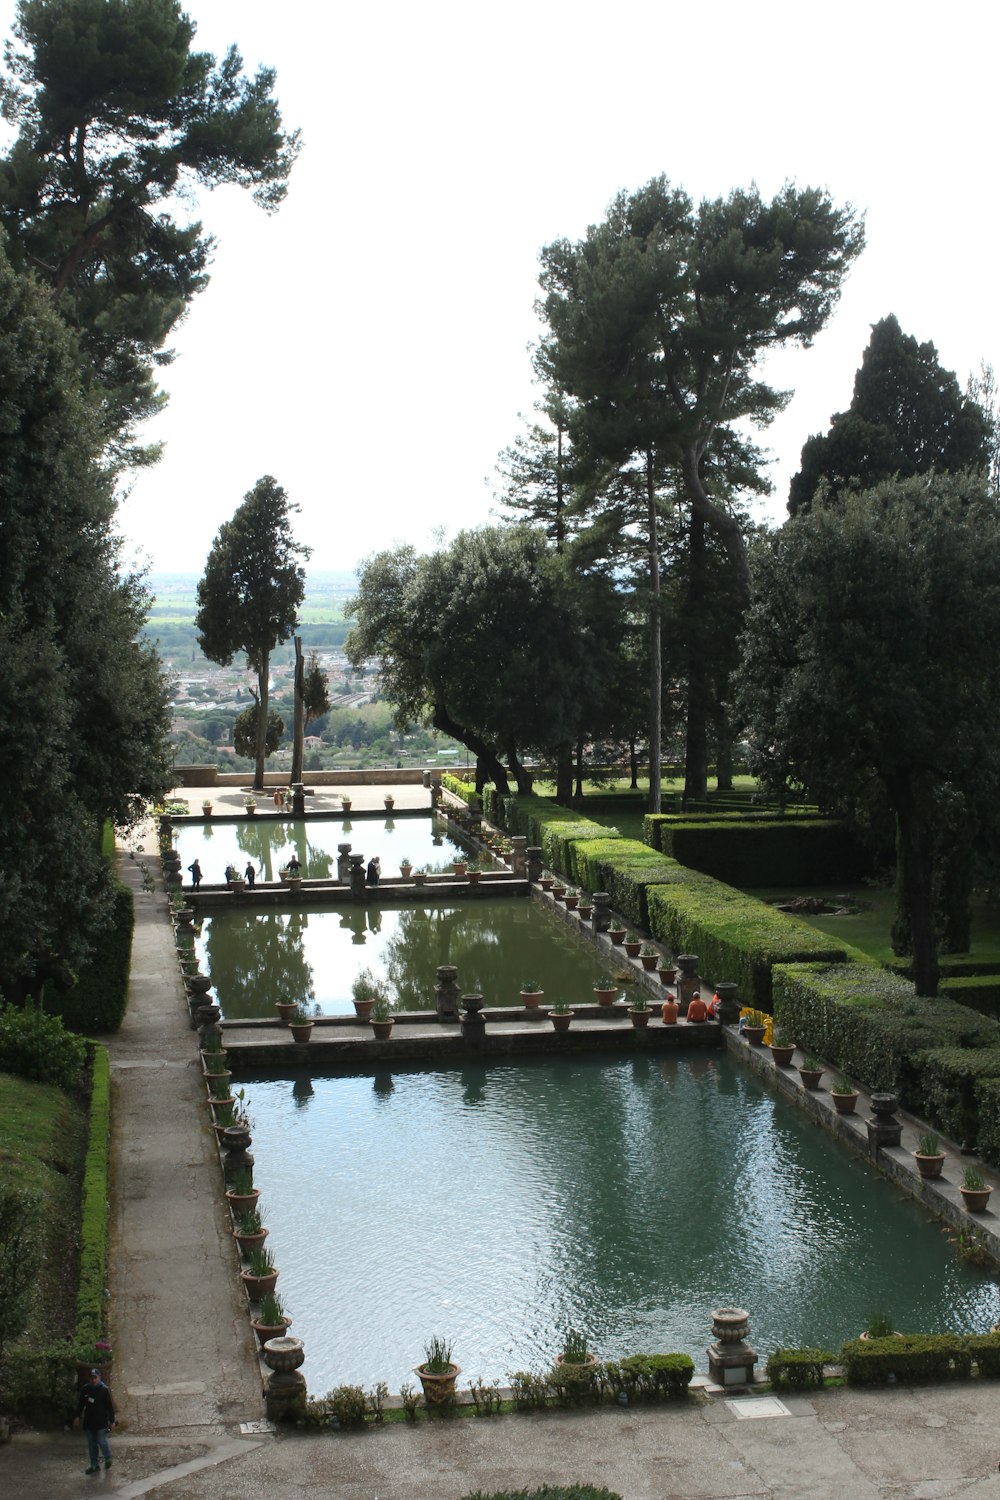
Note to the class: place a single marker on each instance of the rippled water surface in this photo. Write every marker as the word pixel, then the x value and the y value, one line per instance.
pixel 628 1197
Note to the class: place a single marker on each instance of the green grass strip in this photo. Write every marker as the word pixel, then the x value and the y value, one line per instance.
pixel 90 1298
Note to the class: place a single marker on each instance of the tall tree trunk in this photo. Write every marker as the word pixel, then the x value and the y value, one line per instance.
pixel 696 753
pixel 522 779
pixel 655 636
pixel 564 774
pixel 442 720
pixel 723 753
pixel 916 877
pixel 633 764
pixel 299 732
pixel 578 792
pixel 263 674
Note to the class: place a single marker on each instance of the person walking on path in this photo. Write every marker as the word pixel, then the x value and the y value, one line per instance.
pixel 374 873
pixel 195 871
pixel 96 1411
pixel 250 874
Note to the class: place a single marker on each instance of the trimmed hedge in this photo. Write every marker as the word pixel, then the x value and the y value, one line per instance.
pixel 979 992
pixel 798 1369
pixel 985 1351
pixel 90 1299
pixel 988 1115
pixel 736 937
pixel 625 869
pixel 912 1357
pixel 782 851
pixel 98 1001
pixel 872 1024
pixel 951 1076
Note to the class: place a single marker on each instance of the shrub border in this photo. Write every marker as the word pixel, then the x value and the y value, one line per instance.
pixel 90 1298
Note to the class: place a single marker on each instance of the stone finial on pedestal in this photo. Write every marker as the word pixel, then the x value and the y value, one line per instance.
pixel 285 1387
pixel 357 876
pixel 298 799
pixel 446 992
pixel 883 1128
pixel 688 983
pixel 602 911
pixel 473 1021
pixel 518 858
pixel 343 864
pixel 535 863
pixel 729 1011
pixel 730 1357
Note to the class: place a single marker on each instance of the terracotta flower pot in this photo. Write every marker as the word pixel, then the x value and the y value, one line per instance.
pixel 782 1055
pixel 754 1035
pixel 844 1103
pixel 810 1077
pixel 249 1242
pixel 975 1199
pixel 259 1286
pixel 265 1331
pixel 242 1203
pixel 285 1009
pixel 667 974
pixel 560 1019
pixel 438 1389
pixel 649 961
pixel 571 902
pixel 605 996
pixel 632 949
pixel 640 1018
pixel 531 999
pixel 617 935
pixel 546 882
pixel 363 1009
pixel 929 1166
pixel 382 1029
pixel 301 1030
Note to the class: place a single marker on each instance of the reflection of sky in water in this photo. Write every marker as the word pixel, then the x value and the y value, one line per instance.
pixel 271 842
pixel 627 1197
pixel 256 958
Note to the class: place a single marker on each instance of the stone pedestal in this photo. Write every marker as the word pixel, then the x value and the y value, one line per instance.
pixel 356 876
pixel 729 1010
pixel 473 1021
pixel 688 983
pixel 236 1143
pixel 343 864
pixel 730 1357
pixel 446 992
pixel 601 917
pixel 535 863
pixel 519 856
pixel 883 1128
pixel 298 799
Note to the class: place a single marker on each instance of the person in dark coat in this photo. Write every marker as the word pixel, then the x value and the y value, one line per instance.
pixel 96 1412
pixel 250 874
pixel 374 871
pixel 195 870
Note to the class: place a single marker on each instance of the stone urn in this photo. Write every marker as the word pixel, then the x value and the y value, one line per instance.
pixel 730 1324
pixel 284 1354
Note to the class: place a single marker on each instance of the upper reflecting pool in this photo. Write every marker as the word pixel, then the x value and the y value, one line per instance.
pixel 270 843
pixel 255 958
pixel 627 1197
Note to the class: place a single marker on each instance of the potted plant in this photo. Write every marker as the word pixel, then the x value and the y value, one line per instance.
pixel 879 1326
pixel 666 973
pixel 560 1015
pixel 616 935
pixel 754 1026
pixel 531 994
pixel 390 802
pixel 382 1017
pixel 576 1355
pixel 249 1232
pixel 811 1072
pixel 234 878
pixel 571 900
pixel 546 882
pixel 419 876
pixel 438 1374
pixel 346 804
pixel 241 1194
pixel 459 866
pixel 585 910
pixel 286 1009
pixel 206 808
pixel 605 994
pixel 270 1322
pixel 844 1095
pixel 975 1191
pixel 928 1156
pixel 782 1050
pixel 250 803
pixel 365 990
pixel 405 867
pixel 261 1275
pixel 301 1024
pixel 639 1012
pixel 474 871
pixel 632 945
pixel 648 957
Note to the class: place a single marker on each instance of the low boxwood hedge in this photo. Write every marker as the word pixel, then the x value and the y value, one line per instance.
pixel 798 1369
pixel 736 937
pixel 36 1046
pixel 871 1024
pixel 780 851
pixel 910 1357
pixel 988 1114
pixel 978 991
pixel 984 1349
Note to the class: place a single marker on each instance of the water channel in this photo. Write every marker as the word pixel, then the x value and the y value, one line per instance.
pixel 497 1205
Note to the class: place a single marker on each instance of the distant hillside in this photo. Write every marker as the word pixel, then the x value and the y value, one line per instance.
pixel 171 617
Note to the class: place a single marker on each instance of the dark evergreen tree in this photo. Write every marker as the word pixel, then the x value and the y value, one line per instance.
pixel 907 416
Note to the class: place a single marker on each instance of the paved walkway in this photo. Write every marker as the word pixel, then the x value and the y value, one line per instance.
pixel 186 1372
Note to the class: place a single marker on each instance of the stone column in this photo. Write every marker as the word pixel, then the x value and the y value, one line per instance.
pixel 298 799
pixel 519 862
pixel 729 1010
pixel 473 1021
pixel 601 917
pixel 535 863
pixel 446 992
pixel 343 864
pixel 357 876
pixel 688 983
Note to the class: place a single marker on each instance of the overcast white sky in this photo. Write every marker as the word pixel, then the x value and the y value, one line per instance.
pixel 368 345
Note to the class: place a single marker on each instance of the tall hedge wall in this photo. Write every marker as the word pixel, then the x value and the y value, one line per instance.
pixel 98 1001
pixel 783 851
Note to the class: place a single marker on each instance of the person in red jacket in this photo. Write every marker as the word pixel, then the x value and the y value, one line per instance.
pixel 96 1411
pixel 697 1009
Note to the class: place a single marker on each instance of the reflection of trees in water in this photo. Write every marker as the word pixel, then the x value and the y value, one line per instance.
pixel 256 961
pixel 428 936
pixel 270 845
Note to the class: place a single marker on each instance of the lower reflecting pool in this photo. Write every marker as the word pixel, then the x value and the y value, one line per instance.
pixel 496 1206
pixel 257 958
